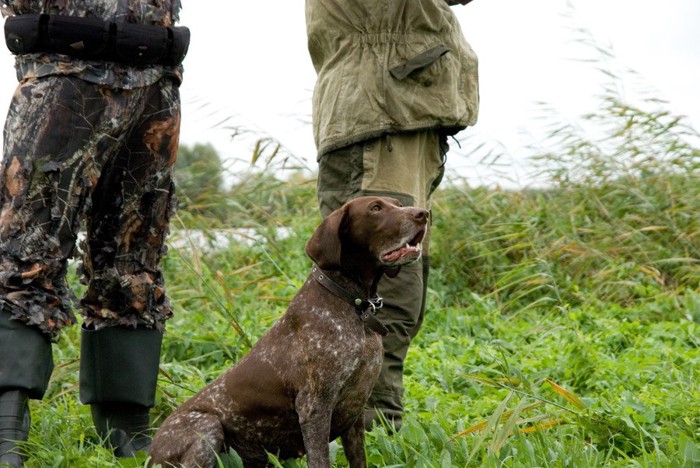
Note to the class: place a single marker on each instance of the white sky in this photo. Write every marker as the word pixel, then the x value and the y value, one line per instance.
pixel 248 66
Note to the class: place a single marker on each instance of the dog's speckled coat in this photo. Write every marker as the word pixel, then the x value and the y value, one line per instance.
pixel 306 381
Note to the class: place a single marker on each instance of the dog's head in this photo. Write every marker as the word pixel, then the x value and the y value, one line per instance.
pixel 369 233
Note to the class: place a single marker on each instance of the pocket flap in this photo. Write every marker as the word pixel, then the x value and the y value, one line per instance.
pixel 418 62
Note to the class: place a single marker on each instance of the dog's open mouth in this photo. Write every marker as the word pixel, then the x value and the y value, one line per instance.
pixel 409 251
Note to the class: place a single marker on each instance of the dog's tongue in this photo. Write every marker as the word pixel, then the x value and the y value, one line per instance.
pixel 402 252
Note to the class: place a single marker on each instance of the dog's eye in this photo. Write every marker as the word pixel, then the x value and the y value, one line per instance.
pixel 376 207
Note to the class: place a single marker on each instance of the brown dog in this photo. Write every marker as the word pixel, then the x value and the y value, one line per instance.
pixel 306 381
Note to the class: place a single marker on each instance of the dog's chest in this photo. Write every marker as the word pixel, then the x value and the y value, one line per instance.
pixel 332 354
pixel 330 340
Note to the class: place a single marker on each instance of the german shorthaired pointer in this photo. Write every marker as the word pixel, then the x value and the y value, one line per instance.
pixel 306 381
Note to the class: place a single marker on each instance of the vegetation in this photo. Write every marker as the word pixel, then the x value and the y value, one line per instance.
pixel 563 325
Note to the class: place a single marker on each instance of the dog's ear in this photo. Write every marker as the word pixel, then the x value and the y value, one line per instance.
pixel 324 245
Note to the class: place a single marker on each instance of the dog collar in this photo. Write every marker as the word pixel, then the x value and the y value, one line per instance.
pixel 366 308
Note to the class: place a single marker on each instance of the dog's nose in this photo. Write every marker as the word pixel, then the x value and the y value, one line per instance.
pixel 420 215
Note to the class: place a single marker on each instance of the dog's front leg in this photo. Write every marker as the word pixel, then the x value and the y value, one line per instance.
pixel 354 444
pixel 315 421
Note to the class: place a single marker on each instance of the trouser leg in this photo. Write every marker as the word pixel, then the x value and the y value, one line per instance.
pixel 409 168
pixel 75 148
pixel 25 369
pixel 402 314
pixel 129 217
pixel 125 306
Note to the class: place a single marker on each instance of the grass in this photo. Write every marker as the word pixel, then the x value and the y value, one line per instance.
pixel 563 325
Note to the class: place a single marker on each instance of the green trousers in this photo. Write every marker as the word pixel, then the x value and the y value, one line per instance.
pixel 409 167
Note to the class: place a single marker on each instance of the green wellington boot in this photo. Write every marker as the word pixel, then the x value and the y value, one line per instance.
pixel 14 426
pixel 118 376
pixel 25 369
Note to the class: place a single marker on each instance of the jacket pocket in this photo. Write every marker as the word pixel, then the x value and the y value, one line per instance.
pixel 418 62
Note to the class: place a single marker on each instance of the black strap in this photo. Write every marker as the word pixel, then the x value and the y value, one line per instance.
pixel 365 308
pixel 95 39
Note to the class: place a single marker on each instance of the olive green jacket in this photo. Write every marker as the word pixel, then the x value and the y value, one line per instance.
pixel 388 66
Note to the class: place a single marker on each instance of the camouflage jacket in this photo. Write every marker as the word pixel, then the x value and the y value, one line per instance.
pixel 388 66
pixel 156 12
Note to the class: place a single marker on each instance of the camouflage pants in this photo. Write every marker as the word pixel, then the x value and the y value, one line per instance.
pixel 408 167
pixel 78 152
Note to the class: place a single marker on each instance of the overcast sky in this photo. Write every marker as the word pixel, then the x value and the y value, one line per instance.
pixel 248 66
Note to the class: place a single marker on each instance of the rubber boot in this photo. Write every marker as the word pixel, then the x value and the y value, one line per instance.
pixel 14 426
pixel 25 369
pixel 118 376
pixel 125 427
